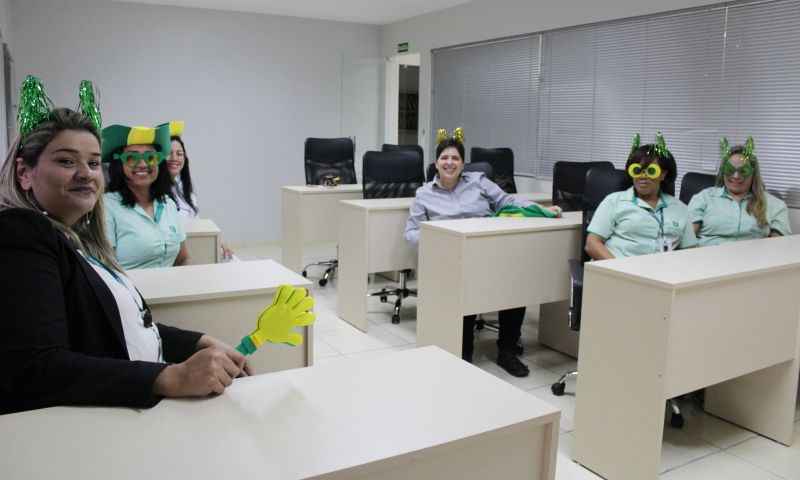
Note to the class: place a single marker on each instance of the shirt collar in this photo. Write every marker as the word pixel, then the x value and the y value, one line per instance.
pixel 725 194
pixel 462 178
pixel 663 200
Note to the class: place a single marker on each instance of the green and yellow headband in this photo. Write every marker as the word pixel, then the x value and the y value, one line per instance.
pixel 442 135
pixel 659 148
pixel 750 160
pixel 35 106
pixel 116 137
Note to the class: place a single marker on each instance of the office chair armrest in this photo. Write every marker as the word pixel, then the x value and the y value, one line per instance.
pixel 576 273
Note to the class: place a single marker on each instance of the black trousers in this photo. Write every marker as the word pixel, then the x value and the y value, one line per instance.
pixel 510 330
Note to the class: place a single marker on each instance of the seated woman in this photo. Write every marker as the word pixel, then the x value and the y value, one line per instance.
pixel 142 221
pixel 738 207
pixel 182 187
pixel 645 218
pixel 454 193
pixel 74 330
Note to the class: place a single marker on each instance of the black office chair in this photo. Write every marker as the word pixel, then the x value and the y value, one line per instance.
pixel 393 174
pixel 569 181
pixel 693 183
pixel 388 147
pixel 502 162
pixel 329 160
pixel 469 167
pixel 600 182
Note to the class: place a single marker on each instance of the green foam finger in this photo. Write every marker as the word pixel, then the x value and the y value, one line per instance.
pixel 305 319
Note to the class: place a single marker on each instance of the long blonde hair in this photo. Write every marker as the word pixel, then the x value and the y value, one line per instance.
pixel 757 207
pixel 89 233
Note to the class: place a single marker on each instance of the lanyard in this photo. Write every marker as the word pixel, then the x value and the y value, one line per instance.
pixel 158 212
pixel 144 310
pixel 660 220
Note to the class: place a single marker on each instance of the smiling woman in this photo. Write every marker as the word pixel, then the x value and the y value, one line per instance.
pixel 74 330
pixel 143 224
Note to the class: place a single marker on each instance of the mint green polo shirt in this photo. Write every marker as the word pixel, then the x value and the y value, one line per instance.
pixel 138 239
pixel 632 227
pixel 723 219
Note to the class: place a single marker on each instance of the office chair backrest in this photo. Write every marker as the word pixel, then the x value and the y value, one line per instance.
pixel 502 162
pixel 392 174
pixel 600 182
pixel 330 157
pixel 693 183
pixel 468 167
pixel 388 147
pixel 569 182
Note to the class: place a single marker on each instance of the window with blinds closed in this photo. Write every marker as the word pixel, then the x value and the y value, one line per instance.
pixel 696 75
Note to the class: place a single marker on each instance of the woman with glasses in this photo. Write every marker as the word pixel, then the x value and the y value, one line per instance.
pixel 142 221
pixel 738 207
pixel 645 218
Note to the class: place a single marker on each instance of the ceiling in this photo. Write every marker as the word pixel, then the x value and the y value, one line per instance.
pixel 358 11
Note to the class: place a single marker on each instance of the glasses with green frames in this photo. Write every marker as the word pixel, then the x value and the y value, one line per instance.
pixel 131 159
pixel 745 171
pixel 652 171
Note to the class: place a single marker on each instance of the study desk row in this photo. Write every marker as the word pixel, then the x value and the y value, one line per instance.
pixel 723 318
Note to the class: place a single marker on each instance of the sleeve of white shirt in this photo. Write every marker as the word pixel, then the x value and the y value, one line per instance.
pixel 499 198
pixel 415 216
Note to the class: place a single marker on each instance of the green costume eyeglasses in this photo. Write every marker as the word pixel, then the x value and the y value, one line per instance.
pixel 745 171
pixel 652 171
pixel 131 159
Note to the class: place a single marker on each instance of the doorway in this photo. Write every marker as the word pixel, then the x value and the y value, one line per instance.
pixel 402 99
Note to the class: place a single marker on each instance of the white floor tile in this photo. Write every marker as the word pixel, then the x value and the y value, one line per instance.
pixel 350 340
pixel 772 456
pixel 566 468
pixel 720 466
pixel 680 447
pixel 322 349
pixel 713 430
pixel 538 377
pixel 565 402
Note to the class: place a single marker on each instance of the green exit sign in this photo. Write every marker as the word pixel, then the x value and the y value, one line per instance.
pixel 402 47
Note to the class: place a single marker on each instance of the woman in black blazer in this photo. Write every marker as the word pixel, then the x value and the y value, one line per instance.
pixel 73 329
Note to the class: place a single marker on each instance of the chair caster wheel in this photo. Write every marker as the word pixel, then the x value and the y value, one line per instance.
pixel 384 299
pixel 304 274
pixel 558 389
pixel 395 319
pixel 676 420
pixel 322 282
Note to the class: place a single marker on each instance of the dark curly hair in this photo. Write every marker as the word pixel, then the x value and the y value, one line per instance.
pixel 645 155
pixel 160 189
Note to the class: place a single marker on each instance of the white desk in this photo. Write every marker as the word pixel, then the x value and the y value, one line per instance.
pixel 224 301
pixel 371 241
pixel 658 326
pixel 417 414
pixel 310 214
pixel 202 241
pixel 486 264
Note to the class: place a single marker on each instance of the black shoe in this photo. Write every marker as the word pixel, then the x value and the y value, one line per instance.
pixel 511 364
pixel 517 348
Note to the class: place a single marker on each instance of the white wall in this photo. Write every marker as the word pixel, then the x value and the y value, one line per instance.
pixel 482 20
pixel 250 87
pixel 5 28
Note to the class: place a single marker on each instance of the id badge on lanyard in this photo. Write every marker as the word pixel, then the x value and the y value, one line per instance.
pixel 663 242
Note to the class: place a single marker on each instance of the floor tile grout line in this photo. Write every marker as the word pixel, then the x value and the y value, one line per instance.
pixel 759 467
pixel 678 467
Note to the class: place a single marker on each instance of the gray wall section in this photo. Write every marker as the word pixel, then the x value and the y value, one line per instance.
pixel 250 87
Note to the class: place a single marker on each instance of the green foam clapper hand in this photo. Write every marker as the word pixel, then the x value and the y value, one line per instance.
pixel 291 307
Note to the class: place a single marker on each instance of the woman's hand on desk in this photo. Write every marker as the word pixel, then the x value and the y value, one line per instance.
pixel 207 341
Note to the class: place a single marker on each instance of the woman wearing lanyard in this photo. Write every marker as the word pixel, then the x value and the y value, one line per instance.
pixel 645 218
pixel 74 330
pixel 143 224
pixel 739 206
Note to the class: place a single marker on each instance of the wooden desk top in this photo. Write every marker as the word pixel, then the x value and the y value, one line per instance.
pixel 406 202
pixel 200 227
pixel 698 266
pixel 318 189
pixel 285 425
pixel 486 226
pixel 215 280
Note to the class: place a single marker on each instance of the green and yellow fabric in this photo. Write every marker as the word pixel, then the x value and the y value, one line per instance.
pixel 176 128
pixel 116 137
pixel 533 210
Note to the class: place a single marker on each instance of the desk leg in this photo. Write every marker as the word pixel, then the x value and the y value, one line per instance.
pixel 292 232
pixel 763 401
pixel 620 402
pixel 440 318
pixel 353 268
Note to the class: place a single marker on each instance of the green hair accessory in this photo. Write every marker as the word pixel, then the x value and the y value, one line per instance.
pixel 34 105
pixel 88 103
pixel 659 148
pixel 750 160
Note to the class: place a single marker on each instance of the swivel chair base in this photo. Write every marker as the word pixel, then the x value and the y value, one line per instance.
pixel 675 420
pixel 330 270
pixel 401 292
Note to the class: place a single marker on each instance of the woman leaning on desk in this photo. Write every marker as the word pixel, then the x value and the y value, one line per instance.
pixel 142 221
pixel 645 218
pixel 453 194
pixel 74 330
pixel 738 207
